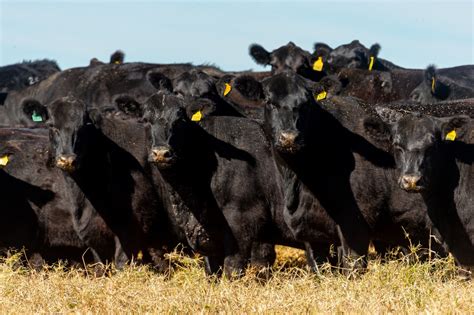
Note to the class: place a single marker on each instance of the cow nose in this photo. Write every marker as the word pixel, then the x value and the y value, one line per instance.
pixel 410 182
pixel 161 154
pixel 287 138
pixel 66 162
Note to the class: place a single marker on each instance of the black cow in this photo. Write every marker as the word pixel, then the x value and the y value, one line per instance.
pixel 21 75
pixel 36 200
pixel 434 158
pixel 435 87
pixel 221 178
pixel 336 180
pixel 117 211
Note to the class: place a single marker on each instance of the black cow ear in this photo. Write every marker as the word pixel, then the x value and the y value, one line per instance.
pixel 377 129
pixel 117 57
pixel 128 105
pixel 430 77
pixel 249 87
pixel 160 81
pixel 224 85
pixel 201 109
pixel 322 50
pixel 388 115
pixel 374 50
pixel 259 54
pixel 453 127
pixel 35 111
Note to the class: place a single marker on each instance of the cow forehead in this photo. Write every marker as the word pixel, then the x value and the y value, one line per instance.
pixel 415 133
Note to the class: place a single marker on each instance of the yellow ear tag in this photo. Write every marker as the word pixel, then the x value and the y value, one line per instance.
pixel 451 136
pixel 4 160
pixel 117 62
pixel 371 63
pixel 227 89
pixel 197 116
pixel 318 64
pixel 321 96
pixel 433 84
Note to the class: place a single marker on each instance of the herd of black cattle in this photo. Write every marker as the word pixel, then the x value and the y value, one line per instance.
pixel 331 149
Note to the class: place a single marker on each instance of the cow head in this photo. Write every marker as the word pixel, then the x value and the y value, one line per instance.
pixel 287 57
pixel 290 106
pixel 68 128
pixel 173 123
pixel 355 55
pixel 416 141
pixel 430 89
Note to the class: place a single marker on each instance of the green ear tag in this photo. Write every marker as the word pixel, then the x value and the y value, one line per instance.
pixel 36 118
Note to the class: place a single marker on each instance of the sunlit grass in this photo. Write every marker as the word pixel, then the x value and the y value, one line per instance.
pixel 399 285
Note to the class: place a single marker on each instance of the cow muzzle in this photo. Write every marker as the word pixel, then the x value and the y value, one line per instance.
pixel 411 183
pixel 162 156
pixel 66 162
pixel 287 142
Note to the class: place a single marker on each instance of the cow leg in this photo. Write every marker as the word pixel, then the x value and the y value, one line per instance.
pixel 213 265
pixel 120 257
pixel 310 258
pixel 237 260
pixel 355 243
pixel 263 258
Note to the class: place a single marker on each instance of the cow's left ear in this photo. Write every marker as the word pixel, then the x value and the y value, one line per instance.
pixel 453 127
pixel 34 111
pixel 95 116
pixel 128 105
pixel 200 109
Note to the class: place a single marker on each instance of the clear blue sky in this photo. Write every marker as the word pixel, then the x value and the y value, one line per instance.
pixel 412 33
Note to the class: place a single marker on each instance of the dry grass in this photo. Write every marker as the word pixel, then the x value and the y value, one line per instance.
pixel 395 286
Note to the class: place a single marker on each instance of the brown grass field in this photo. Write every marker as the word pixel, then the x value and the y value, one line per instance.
pixel 399 285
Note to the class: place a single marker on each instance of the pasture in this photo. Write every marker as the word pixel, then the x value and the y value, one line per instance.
pixel 400 285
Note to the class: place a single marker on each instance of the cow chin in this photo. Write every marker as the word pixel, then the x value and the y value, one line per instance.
pixel 288 148
pixel 163 163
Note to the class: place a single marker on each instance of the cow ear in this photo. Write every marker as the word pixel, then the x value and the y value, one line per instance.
pixel 322 50
pixel 128 105
pixel 374 50
pixel 117 57
pixel 453 127
pixel 429 76
pixel 35 111
pixel 259 54
pixel 200 109
pixel 249 87
pixel 160 81
pixel 388 115
pixel 377 129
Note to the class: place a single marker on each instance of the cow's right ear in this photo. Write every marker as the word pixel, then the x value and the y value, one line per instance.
pixel 160 81
pixel 129 106
pixel 259 54
pixel 34 111
pixel 377 129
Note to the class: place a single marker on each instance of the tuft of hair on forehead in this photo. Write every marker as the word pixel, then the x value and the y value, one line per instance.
pixel 374 50
pixel 117 57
